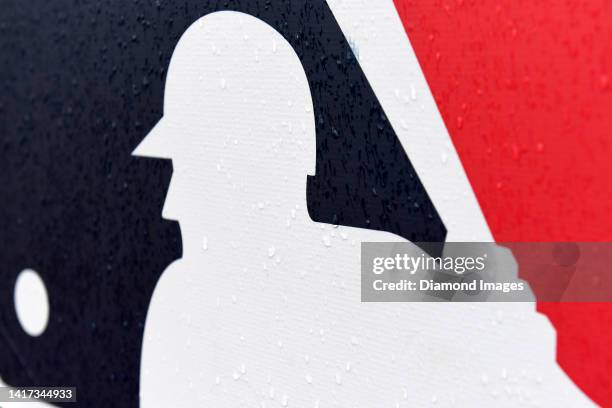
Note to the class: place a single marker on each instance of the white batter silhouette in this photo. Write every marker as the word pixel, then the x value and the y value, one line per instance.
pixel 263 309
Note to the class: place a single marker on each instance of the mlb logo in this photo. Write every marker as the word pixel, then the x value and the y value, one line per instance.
pixel 274 139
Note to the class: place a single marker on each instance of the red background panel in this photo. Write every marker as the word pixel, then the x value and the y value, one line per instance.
pixel 525 90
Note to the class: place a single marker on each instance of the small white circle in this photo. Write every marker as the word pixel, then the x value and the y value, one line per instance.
pixel 31 302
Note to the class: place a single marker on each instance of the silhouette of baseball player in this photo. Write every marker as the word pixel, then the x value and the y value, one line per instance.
pixel 263 308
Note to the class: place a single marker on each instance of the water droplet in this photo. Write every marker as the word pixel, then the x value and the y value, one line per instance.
pixel 338 379
pixel 308 379
pixel 485 379
pixel 326 240
pixel 516 152
pixel 271 252
pixel 500 316
pixel 604 82
pixel 205 243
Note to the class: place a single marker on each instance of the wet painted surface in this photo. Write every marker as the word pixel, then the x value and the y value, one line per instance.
pixel 82 85
pixel 524 89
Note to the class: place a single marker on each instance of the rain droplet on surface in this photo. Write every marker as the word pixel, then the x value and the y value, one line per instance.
pixel 485 379
pixel 326 240
pixel 338 379
pixel 444 157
